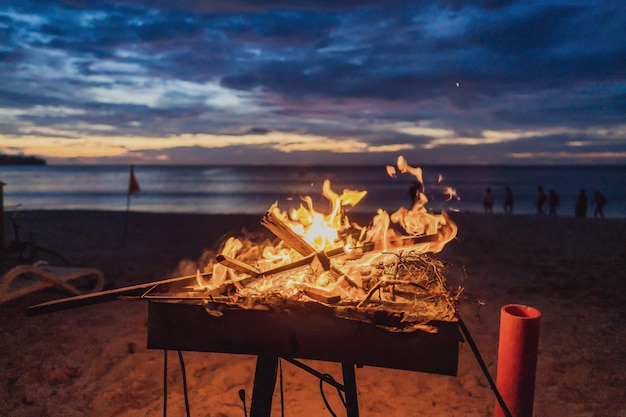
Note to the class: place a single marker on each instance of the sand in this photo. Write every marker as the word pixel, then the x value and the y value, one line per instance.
pixel 93 361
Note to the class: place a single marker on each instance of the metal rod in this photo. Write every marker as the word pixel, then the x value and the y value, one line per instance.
pixel 483 366
pixel 98 297
pixel 316 373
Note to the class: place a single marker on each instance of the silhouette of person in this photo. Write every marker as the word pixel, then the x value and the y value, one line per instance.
pixel 581 204
pixel 414 192
pixel 508 200
pixel 553 202
pixel 488 201
pixel 600 201
pixel 541 200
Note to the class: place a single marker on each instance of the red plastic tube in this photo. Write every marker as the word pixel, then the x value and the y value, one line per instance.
pixel 517 359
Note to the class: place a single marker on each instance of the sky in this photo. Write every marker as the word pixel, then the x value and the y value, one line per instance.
pixel 314 82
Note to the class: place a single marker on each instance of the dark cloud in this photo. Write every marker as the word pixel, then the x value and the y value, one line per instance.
pixel 604 110
pixel 257 131
pixel 540 28
pixel 325 68
pixel 232 6
pixel 482 4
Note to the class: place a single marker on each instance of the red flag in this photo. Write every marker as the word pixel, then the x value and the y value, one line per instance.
pixel 133 185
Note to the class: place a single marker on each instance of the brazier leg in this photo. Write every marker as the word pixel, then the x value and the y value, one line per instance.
pixel 349 384
pixel 264 383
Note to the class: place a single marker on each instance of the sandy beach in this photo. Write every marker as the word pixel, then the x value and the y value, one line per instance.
pixel 93 361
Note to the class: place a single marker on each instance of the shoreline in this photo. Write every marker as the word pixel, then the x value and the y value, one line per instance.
pixel 93 360
pixel 222 190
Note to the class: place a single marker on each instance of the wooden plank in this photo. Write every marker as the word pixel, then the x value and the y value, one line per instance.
pixel 321 295
pixel 237 265
pixel 275 225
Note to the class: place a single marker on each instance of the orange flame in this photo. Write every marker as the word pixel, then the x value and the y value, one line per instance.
pixel 328 230
pixel 322 231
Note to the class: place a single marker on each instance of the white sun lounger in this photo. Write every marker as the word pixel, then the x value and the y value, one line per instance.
pixel 45 276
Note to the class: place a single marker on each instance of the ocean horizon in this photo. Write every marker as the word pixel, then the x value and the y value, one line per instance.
pixel 238 189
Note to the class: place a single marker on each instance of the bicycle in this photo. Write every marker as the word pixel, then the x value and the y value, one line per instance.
pixel 20 251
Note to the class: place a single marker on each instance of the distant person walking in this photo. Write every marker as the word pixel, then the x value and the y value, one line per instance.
pixel 488 201
pixel 581 204
pixel 600 201
pixel 554 202
pixel 508 200
pixel 541 200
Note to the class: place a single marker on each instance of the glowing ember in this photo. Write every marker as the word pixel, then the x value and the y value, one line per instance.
pixel 325 257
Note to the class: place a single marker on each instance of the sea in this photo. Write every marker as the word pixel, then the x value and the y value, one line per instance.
pixel 254 189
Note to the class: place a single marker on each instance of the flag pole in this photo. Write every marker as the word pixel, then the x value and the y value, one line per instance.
pixel 126 219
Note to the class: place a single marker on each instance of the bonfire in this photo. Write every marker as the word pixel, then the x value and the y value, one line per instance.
pixel 384 272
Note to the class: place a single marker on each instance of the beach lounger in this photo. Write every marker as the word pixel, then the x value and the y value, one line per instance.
pixel 40 275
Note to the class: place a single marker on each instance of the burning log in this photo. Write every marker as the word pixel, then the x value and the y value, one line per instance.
pixel 323 296
pixel 275 225
pixel 323 264
pixel 237 265
pixel 243 267
pixel 404 242
pixel 320 263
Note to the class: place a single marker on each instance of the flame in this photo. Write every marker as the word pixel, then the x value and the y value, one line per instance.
pixel 221 272
pixel 330 229
pixel 404 167
pixel 321 231
pixel 451 192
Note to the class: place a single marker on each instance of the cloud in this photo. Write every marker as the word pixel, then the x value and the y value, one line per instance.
pixel 356 79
